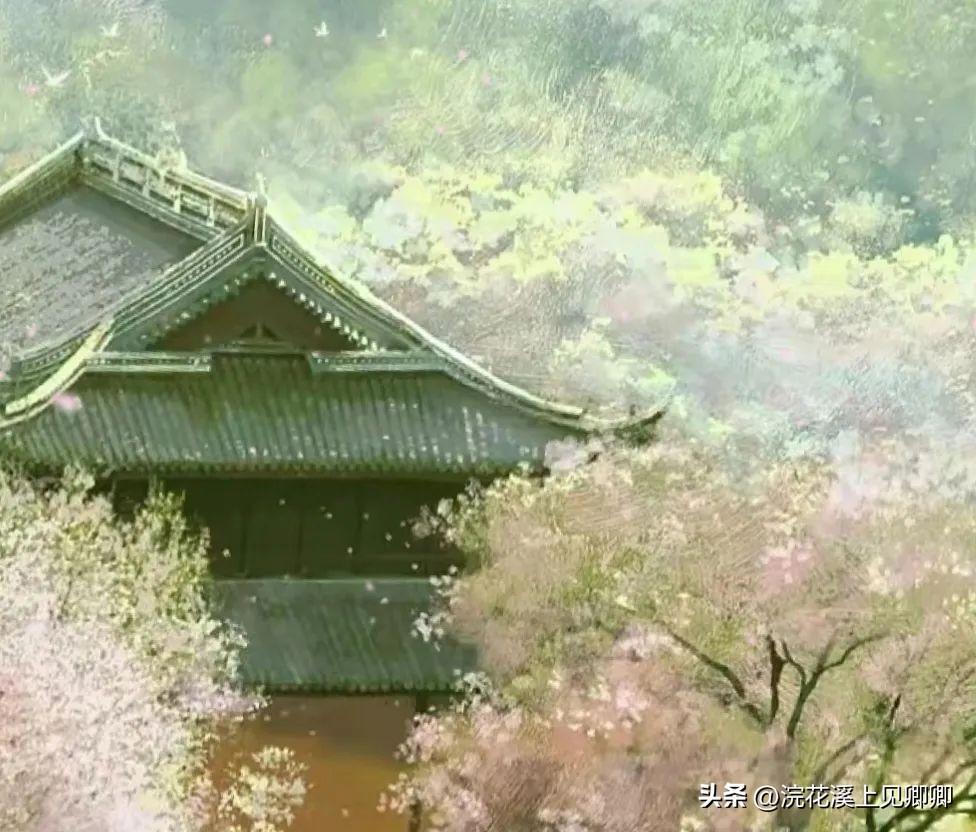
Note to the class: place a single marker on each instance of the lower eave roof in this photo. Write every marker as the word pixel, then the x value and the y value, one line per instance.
pixel 339 636
pixel 264 413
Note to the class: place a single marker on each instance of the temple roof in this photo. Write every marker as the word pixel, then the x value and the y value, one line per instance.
pixel 71 260
pixel 110 257
pixel 388 415
pixel 340 636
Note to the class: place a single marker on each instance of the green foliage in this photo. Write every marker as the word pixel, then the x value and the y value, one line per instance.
pixel 802 105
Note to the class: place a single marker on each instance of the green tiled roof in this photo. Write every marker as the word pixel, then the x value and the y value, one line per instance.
pixel 96 274
pixel 337 636
pixel 253 413
pixel 71 260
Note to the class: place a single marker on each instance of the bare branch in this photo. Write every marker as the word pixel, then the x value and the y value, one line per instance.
pixel 776 665
pixel 821 774
pixel 809 685
pixel 725 672
pixel 927 818
pixel 854 645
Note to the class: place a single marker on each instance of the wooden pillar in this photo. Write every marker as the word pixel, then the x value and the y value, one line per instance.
pixel 421 703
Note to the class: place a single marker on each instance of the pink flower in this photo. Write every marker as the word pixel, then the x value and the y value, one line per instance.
pixel 786 566
pixel 31 330
pixel 462 55
pixel 267 40
pixel 32 89
pixel 66 402
pixel 439 130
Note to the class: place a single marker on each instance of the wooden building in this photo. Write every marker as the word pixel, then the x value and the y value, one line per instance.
pixel 162 326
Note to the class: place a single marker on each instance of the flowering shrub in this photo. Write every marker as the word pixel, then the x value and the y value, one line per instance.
pixel 264 793
pixel 658 619
pixel 113 673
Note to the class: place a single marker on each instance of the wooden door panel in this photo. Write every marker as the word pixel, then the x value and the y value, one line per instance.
pixel 329 529
pixel 272 530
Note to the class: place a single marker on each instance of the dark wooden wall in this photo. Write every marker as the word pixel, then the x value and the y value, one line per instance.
pixel 311 528
pixel 258 305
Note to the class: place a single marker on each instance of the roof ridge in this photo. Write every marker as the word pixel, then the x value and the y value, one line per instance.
pixel 47 159
pixel 192 177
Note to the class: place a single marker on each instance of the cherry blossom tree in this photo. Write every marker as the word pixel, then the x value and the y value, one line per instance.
pixel 114 674
pixel 660 619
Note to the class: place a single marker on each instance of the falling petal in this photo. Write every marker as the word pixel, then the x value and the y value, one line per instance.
pixel 66 402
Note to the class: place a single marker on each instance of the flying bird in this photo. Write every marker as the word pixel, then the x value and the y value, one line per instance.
pixel 111 31
pixel 322 30
pixel 55 81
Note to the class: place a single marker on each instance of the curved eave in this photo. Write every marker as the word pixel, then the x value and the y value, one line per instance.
pixel 629 426
pixel 357 414
pixel 40 397
pixel 464 368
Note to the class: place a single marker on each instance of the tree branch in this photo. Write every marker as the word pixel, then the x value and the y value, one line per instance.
pixel 821 774
pixel 809 685
pixel 933 769
pixel 854 645
pixel 776 665
pixel 804 693
pixel 725 672
pixel 927 818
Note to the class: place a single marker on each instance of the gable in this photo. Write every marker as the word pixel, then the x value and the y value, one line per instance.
pixel 261 314
pixel 243 264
